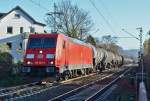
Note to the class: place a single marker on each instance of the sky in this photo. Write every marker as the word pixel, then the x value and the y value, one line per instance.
pixel 120 14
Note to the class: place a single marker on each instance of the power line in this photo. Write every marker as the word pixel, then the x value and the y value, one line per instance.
pixel 106 21
pixel 39 5
pixel 123 37
pixel 114 20
pixel 130 34
pixel 109 14
pixel 19 2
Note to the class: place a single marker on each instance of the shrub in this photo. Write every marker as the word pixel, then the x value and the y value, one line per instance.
pixel 4 48
pixel 6 61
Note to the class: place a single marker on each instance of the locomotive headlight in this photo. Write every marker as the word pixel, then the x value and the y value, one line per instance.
pixel 41 52
pixel 51 62
pixel 49 56
pixel 30 56
pixel 29 63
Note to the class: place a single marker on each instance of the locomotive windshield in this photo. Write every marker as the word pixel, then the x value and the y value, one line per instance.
pixel 42 43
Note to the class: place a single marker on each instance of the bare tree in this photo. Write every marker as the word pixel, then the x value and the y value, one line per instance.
pixel 149 42
pixel 147 45
pixel 108 39
pixel 71 20
pixel 109 43
pixel 148 33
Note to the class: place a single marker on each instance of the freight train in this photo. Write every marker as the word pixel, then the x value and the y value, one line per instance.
pixel 65 57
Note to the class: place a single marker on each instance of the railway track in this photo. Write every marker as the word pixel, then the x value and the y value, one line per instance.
pixel 93 90
pixel 101 94
pixel 21 90
pixel 33 90
pixel 12 89
pixel 30 89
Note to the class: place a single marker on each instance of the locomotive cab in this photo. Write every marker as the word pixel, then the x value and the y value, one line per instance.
pixel 40 54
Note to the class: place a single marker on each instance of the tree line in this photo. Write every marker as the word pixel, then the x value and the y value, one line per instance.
pixel 147 45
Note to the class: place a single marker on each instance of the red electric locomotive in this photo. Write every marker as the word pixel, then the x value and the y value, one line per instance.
pixel 57 54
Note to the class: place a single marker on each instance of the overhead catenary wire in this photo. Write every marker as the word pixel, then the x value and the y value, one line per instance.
pixel 107 22
pixel 130 34
pixel 103 17
pixel 39 5
pixel 16 2
pixel 113 20
pixel 19 2
pixel 122 37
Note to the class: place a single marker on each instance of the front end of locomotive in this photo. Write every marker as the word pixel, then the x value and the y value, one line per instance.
pixel 40 54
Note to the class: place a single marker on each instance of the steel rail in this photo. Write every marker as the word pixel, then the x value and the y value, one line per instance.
pixel 32 90
pixel 65 95
pixel 101 91
pixel 11 89
pixel 29 91
pixel 74 91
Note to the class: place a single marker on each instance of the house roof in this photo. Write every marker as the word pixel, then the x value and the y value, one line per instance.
pixel 2 15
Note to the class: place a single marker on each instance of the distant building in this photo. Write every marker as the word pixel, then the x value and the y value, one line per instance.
pixel 17 21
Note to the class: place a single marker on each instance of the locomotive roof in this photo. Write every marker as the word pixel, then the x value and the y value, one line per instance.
pixel 42 34
pixel 71 39
pixel 77 41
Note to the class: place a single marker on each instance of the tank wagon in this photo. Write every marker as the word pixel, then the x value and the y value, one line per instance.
pixel 103 59
pixel 65 57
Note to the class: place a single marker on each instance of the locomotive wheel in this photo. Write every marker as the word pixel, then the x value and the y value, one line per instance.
pixel 71 74
pixel 75 74
pixel 66 77
pixel 83 72
pixel 87 71
pixel 101 69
